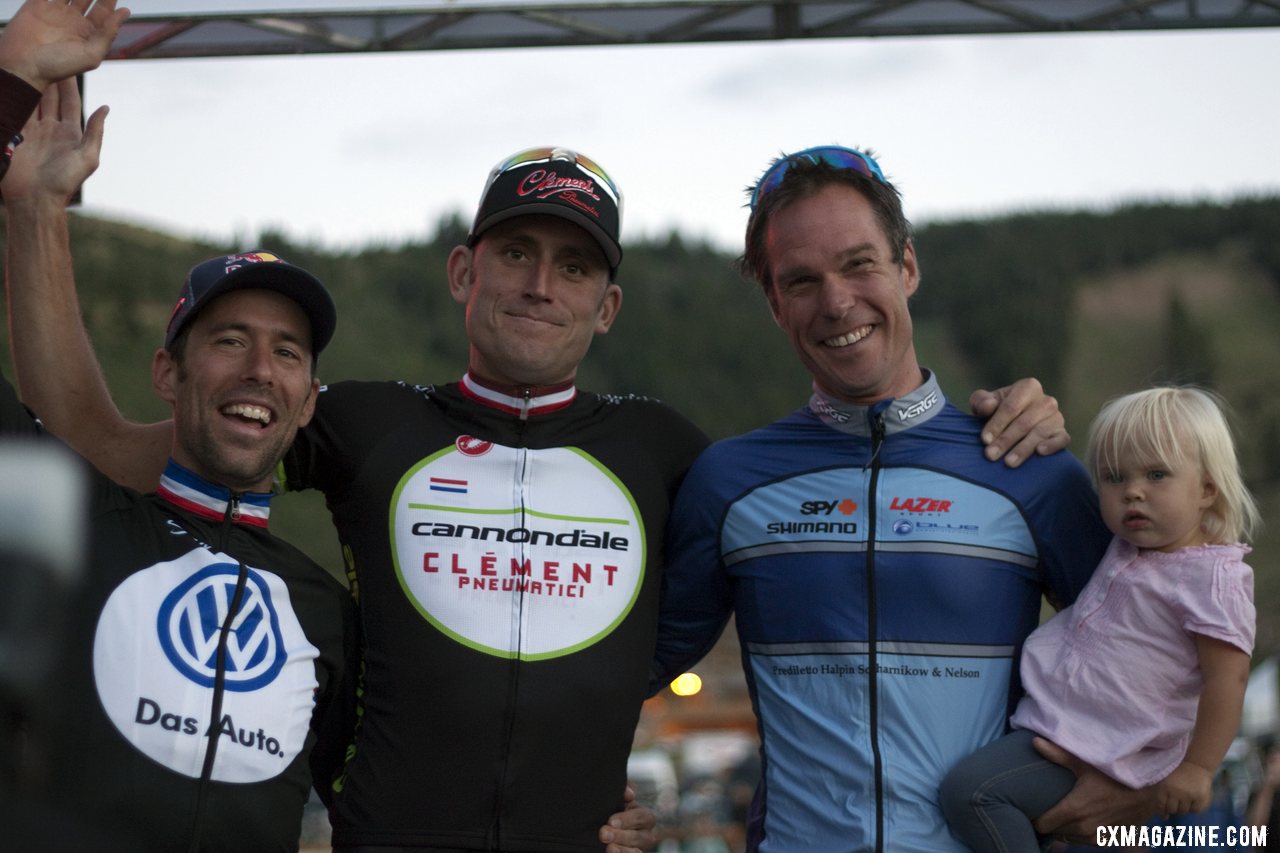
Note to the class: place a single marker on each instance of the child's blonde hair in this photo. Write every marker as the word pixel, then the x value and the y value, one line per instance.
pixel 1174 426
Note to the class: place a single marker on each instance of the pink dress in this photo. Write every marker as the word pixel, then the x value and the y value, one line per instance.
pixel 1114 678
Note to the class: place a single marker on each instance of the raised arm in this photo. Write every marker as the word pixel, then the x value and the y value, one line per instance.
pixel 56 372
pixel 43 43
pixel 50 40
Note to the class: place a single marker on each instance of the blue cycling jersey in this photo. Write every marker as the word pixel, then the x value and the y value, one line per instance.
pixel 883 575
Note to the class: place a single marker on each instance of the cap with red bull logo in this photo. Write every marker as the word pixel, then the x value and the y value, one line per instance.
pixel 257 269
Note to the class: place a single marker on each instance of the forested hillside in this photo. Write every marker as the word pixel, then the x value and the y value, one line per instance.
pixel 1092 303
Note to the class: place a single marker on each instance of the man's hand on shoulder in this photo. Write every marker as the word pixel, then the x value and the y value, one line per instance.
pixel 1021 420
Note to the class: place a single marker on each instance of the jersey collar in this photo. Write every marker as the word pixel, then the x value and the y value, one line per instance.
pixel 189 491
pixel 899 414
pixel 524 400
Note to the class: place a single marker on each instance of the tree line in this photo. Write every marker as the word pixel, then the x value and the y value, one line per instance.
pixel 1093 303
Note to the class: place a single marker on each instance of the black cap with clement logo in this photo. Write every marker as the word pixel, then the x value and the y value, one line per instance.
pixel 259 269
pixel 557 182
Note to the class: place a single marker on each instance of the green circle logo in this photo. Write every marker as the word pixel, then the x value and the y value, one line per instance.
pixel 516 552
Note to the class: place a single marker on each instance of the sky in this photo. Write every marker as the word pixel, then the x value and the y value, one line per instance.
pixel 351 150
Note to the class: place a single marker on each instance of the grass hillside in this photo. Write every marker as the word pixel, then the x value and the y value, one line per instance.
pixel 1206 317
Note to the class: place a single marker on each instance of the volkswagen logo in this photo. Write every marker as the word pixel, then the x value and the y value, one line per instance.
pixel 191 618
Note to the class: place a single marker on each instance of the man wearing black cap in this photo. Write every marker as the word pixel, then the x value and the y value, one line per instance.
pixel 504 537
pixel 205 670
pixel 505 534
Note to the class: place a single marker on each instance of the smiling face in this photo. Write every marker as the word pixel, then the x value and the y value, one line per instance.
pixel 536 290
pixel 241 389
pixel 1154 505
pixel 840 297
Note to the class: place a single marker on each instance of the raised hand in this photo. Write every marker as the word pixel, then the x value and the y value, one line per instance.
pixel 50 40
pixel 55 157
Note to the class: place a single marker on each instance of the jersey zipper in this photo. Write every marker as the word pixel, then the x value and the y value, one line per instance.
pixel 521 481
pixel 526 403
pixel 220 670
pixel 873 696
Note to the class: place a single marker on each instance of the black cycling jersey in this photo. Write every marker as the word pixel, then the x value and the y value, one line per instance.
pixel 506 557
pixel 129 747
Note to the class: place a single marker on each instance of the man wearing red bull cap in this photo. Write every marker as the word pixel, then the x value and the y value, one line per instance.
pixel 503 533
pixel 204 669
pixel 205 676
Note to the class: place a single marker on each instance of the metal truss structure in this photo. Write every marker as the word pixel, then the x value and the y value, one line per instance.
pixel 468 24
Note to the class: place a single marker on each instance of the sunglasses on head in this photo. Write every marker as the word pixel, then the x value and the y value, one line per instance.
pixel 833 155
pixel 550 155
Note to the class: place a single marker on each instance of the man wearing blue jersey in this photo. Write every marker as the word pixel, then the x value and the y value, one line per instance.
pixel 883 575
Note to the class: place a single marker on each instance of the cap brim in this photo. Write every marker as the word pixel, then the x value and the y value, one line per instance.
pixel 287 280
pixel 612 251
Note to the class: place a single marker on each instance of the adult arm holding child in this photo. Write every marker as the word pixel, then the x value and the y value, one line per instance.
pixel 1098 800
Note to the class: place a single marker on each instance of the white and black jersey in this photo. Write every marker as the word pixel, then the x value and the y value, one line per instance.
pixel 506 555
pixel 202 682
